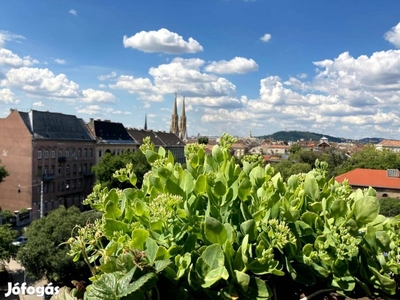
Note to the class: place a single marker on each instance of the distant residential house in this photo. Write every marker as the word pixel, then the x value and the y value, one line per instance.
pixel 45 153
pixel 323 143
pixel 393 145
pixel 240 148
pixel 385 182
pixel 111 138
pixel 272 149
pixel 167 140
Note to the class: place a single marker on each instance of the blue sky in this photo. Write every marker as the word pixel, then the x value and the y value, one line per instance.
pixel 331 67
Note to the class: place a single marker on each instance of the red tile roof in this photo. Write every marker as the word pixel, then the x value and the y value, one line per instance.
pixel 368 177
pixel 390 143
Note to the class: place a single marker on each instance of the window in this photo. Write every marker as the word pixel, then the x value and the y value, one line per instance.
pixel 67 153
pixel 53 153
pixel 51 187
pixel 85 153
pixel 45 188
pixel 90 152
pixel 67 169
pixel 80 168
pixel 39 171
pixel 59 169
pixel 46 169
pixel 74 169
pixel 46 154
pixel 84 168
pixel 99 153
pixel 79 183
pixel 60 153
pixel 79 152
pixel 39 154
pixel 52 169
pixel 74 184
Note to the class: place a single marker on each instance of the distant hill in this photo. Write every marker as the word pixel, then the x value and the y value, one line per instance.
pixel 293 136
pixel 371 140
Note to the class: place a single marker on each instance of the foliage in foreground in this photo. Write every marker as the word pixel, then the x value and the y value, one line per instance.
pixel 7 250
pixel 217 230
pixel 43 256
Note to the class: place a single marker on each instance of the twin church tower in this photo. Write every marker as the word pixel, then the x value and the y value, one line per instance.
pixel 179 128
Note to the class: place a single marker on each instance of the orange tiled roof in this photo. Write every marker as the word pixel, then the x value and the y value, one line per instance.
pixel 390 143
pixel 368 177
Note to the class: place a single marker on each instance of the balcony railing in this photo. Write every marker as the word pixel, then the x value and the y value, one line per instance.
pixel 62 159
pixel 48 177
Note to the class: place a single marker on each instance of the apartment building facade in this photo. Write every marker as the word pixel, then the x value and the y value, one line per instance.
pixel 48 156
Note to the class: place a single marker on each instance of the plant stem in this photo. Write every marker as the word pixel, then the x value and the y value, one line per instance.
pixel 316 293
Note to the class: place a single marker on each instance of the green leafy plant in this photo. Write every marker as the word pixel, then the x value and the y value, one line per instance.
pixel 219 230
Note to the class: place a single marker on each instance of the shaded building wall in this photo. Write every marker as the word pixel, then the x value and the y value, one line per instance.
pixel 65 169
pixel 16 156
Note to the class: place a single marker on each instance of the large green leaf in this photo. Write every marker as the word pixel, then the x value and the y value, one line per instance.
pixel 366 209
pixel 311 188
pixel 201 184
pixel 217 154
pixel 243 280
pixel 210 266
pixel 215 231
pixel 139 237
pixel 112 226
pixel 116 285
pixel 249 227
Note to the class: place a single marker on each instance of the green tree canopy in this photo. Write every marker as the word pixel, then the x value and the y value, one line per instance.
pixel 370 158
pixel 44 256
pixel 109 163
pixel 3 172
pixel 203 140
pixel 7 250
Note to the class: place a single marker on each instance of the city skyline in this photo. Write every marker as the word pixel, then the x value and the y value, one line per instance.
pixel 259 66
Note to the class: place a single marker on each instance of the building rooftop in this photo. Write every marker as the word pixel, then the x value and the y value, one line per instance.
pixel 55 126
pixel 389 143
pixel 110 132
pixel 371 178
pixel 158 138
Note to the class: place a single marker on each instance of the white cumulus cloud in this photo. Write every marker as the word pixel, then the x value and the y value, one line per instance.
pixel 101 111
pixel 237 65
pixel 38 104
pixel 44 83
pixel 8 36
pixel 393 35
pixel 163 41
pixel 73 12
pixel 10 59
pixel 60 61
pixel 266 37
pixel 108 76
pixel 96 96
pixel 7 97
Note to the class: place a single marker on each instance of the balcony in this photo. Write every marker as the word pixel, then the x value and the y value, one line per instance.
pixel 48 177
pixel 88 173
pixel 62 159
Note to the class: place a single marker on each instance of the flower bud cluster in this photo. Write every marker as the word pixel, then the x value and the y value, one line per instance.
pixel 193 149
pixel 163 206
pixel 146 145
pixel 227 140
pixel 346 244
pixel 278 233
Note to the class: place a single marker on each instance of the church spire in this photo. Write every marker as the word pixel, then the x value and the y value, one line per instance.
pixel 145 122
pixel 182 122
pixel 174 119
